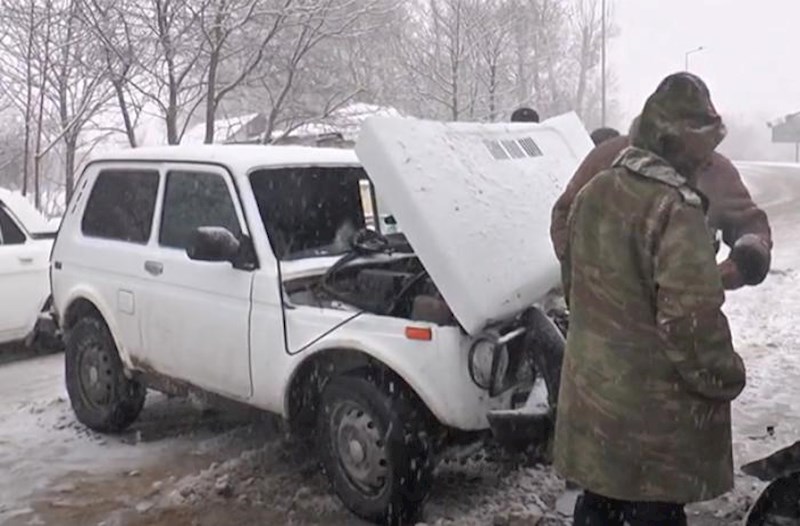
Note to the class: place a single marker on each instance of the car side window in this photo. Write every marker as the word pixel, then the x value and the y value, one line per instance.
pixel 10 233
pixel 121 205
pixel 192 200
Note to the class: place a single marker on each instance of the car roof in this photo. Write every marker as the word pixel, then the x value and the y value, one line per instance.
pixel 32 220
pixel 237 157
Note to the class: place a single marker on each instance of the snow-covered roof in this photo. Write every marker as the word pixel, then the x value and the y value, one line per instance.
pixel 24 211
pixel 238 157
pixel 105 130
pixel 784 119
pixel 347 121
pixel 223 129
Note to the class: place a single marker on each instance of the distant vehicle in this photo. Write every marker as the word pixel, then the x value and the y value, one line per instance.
pixel 26 238
pixel 248 272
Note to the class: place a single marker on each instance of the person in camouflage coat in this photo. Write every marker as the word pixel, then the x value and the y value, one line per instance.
pixel 643 419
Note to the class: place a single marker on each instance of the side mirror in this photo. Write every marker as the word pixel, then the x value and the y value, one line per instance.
pixel 213 243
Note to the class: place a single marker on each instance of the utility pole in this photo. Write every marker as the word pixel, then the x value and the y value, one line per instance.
pixel 603 65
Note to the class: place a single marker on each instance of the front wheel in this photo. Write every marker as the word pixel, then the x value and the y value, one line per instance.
pixel 375 449
pixel 103 398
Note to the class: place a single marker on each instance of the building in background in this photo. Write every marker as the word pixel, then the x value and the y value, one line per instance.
pixel 787 130
pixel 337 129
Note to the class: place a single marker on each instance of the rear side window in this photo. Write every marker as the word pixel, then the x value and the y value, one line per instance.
pixel 121 205
pixel 192 200
pixel 10 233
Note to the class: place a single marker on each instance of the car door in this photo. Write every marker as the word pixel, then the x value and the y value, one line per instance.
pixel 107 239
pixel 23 278
pixel 196 316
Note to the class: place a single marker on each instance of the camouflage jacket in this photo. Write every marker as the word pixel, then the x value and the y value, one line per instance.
pixel 731 208
pixel 649 368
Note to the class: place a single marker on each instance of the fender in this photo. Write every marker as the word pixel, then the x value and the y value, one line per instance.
pixel 452 397
pixel 90 294
pixel 384 358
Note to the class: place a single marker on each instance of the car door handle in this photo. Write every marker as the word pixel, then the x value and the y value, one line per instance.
pixel 154 267
pixel 25 260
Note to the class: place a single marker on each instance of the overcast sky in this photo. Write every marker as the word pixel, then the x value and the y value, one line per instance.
pixel 751 61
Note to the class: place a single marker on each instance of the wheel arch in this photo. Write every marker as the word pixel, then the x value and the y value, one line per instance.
pixel 309 377
pixel 82 304
pixel 79 308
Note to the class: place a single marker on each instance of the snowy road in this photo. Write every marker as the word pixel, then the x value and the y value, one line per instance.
pixel 181 466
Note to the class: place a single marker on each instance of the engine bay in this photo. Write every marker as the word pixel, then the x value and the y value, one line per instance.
pixel 397 287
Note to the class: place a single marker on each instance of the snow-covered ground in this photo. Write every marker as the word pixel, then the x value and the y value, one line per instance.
pixel 180 465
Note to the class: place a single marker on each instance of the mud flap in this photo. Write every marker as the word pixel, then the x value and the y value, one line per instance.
pixel 522 428
pixel 45 336
pixel 779 503
pixel 518 431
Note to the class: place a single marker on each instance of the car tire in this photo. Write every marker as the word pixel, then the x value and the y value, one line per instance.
pixel 375 449
pixel 102 397
pixel 777 504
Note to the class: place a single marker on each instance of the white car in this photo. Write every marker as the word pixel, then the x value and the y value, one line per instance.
pixel 26 238
pixel 247 272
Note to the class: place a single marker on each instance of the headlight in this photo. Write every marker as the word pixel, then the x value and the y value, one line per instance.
pixel 488 362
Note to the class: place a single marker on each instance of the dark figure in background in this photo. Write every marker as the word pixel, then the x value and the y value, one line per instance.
pixel 743 226
pixel 601 135
pixel 644 421
pixel 525 115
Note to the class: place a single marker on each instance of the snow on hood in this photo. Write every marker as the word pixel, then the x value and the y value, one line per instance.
pixel 474 200
pixel 33 221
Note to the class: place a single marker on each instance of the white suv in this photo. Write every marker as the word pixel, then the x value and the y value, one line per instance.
pixel 25 242
pixel 247 272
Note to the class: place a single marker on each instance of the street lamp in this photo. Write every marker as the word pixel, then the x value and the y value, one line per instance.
pixel 688 53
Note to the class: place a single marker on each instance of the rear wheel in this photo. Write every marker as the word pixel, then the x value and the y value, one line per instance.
pixel 103 398
pixel 375 448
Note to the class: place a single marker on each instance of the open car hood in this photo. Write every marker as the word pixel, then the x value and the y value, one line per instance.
pixel 474 201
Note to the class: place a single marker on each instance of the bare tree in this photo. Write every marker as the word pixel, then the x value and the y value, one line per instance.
pixel 238 31
pixel 586 21
pixel 28 104
pixel 168 50
pixel 308 25
pixel 493 42
pixel 362 60
pixel 77 90
pixel 12 152
pixel 109 23
pixel 437 53
pixel 64 64
pixel 18 62
pixel 44 71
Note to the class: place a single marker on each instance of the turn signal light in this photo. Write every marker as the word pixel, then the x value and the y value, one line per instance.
pixel 424 334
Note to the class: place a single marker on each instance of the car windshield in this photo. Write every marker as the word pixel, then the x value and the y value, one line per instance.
pixel 315 211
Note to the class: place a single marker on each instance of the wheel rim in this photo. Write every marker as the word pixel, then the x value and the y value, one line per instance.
pixel 361 449
pixel 96 375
